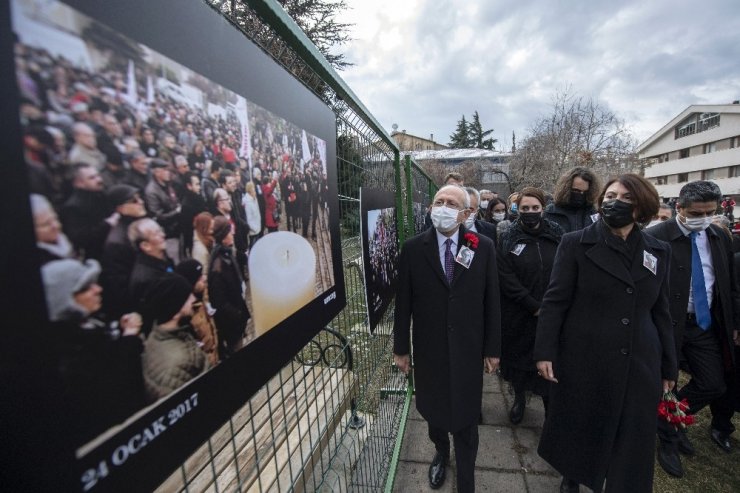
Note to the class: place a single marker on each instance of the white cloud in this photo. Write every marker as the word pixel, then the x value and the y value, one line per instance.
pixel 424 63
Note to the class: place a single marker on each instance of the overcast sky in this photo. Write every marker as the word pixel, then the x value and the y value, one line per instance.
pixel 423 63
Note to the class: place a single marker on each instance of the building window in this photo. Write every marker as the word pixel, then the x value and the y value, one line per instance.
pixel 697 122
pixel 683 177
pixel 663 158
pixel 734 172
pixel 707 121
pixel 661 180
pixel 683 153
pixel 711 147
pixel 707 174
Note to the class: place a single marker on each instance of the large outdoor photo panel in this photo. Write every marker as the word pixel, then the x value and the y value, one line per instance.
pixel 380 250
pixel 174 86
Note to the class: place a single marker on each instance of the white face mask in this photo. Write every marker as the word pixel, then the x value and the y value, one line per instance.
pixel 499 216
pixel 695 223
pixel 484 204
pixel 444 218
pixel 469 222
pixel 653 223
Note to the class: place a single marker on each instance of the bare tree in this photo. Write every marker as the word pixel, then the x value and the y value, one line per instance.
pixel 437 170
pixel 579 132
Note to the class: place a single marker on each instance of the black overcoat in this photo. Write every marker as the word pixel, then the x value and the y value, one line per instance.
pixel 726 297
pixel 524 274
pixel 454 327
pixel 607 330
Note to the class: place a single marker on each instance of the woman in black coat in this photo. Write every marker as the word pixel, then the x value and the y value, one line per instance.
pixel 226 291
pixel 526 254
pixel 604 337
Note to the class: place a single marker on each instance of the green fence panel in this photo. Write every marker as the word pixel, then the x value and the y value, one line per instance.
pixel 332 418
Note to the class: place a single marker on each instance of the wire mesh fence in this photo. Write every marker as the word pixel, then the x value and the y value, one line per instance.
pixel 329 420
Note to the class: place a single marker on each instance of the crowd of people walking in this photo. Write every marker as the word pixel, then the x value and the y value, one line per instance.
pixel 591 297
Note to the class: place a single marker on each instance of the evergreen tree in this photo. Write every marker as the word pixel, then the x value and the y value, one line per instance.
pixel 461 138
pixel 477 137
pixel 513 142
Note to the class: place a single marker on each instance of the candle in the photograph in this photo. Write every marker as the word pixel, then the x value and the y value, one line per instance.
pixel 282 278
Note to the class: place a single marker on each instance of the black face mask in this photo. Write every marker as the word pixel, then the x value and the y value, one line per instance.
pixel 530 219
pixel 577 200
pixel 617 213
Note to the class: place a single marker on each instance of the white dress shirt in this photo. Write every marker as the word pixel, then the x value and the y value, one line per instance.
pixel 705 254
pixel 441 245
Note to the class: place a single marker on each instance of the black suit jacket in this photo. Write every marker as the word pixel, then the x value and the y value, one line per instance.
pixel 726 297
pixel 486 229
pixel 454 327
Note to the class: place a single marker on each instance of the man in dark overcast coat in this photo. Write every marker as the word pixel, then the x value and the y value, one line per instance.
pixel 707 353
pixel 457 330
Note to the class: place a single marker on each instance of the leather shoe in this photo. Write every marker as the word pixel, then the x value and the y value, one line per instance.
pixel 569 486
pixel 437 471
pixel 684 444
pixel 669 459
pixel 722 440
pixel 516 413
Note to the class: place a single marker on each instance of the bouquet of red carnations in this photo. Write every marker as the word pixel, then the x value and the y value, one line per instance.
pixel 675 411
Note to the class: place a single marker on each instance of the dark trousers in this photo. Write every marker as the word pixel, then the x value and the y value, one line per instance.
pixel 703 354
pixel 466 450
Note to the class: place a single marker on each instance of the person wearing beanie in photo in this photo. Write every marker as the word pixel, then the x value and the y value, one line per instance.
pixel 226 289
pixel 99 364
pixel 171 355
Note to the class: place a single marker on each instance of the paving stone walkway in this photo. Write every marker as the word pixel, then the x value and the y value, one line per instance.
pixel 507 454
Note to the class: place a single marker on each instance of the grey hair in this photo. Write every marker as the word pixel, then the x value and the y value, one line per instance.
pixel 699 191
pixel 466 199
pixel 473 191
pixel 723 221
pixel 666 207
pixel 136 232
pixel 39 204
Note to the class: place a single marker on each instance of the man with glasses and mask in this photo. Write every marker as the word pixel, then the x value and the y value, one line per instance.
pixel 472 223
pixel 705 308
pixel 574 198
pixel 453 301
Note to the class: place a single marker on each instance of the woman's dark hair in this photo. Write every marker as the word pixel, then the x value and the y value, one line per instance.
pixel 531 192
pixel 561 195
pixel 644 196
pixel 493 203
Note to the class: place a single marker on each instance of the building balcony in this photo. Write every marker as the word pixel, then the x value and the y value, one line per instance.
pixel 712 160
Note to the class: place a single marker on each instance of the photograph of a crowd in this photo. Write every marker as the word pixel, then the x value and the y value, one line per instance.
pixel 420 214
pixel 380 237
pixel 176 221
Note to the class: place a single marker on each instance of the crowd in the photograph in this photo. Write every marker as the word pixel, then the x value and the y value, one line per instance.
pixel 383 250
pixel 605 292
pixel 144 213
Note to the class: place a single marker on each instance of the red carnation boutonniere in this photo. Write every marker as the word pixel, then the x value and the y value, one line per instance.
pixel 472 240
pixel 674 411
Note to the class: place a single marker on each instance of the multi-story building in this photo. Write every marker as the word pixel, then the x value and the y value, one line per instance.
pixel 701 143
pixel 407 142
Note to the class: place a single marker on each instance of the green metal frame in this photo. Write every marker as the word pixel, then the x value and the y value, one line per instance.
pixel 341 98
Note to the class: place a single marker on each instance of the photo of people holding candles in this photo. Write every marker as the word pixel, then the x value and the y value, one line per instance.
pixel 202 217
